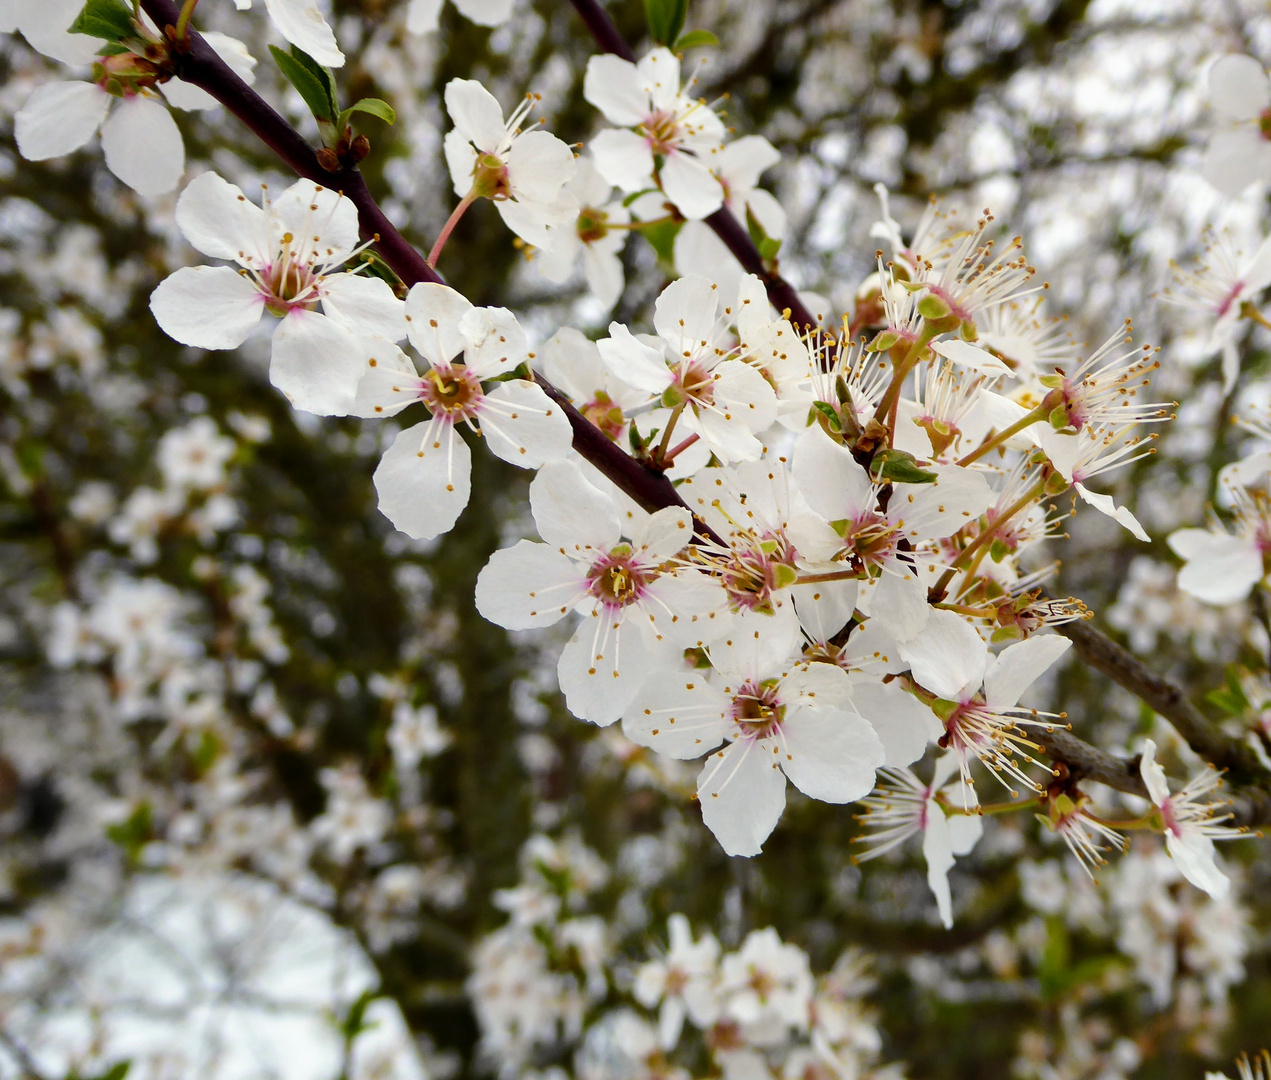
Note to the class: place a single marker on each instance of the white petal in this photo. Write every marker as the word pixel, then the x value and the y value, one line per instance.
pixel 143 146
pixel 317 363
pixel 742 792
pixel 365 305
pixel 424 480
pixel 211 307
pixel 743 160
pixel 691 186
pixel 521 424
pixel 934 511
pixel 388 385
pixel 301 23
pixel 832 481
pixel 1018 666
pixel 1120 514
pixel 1193 854
pixel 937 849
pixel 433 313
pixel 971 356
pixel 477 116
pixel 677 713
pixel 1238 87
pixel 614 87
pixel 485 12
pixel 663 534
pixel 825 608
pixel 899 601
pixel 1152 773
pixel 829 754
pixel 1234 160
pixel 321 220
pixel 539 165
pixel 659 71
pixel 44 24
pixel 528 585
pixel 623 158
pixel 59 117
pixel 220 221
pixel 422 16
pixel 571 513
pixel 684 315
pixel 461 161
pixel 905 726
pixel 947 655
pixel 604 275
pixel 634 362
pixel 602 667
pixel 744 395
pixel 1220 569
pixel 494 341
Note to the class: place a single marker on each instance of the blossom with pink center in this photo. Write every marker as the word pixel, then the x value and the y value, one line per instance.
pixel 903 806
pixel 424 478
pixel 1239 152
pixel 290 258
pixel 1191 823
pixel 682 983
pixel 1221 567
pixel 1083 455
pixel 638 606
pixel 780 719
pixel 667 136
pixel 696 365
pixel 977 694
pixel 1218 288
pixel 840 491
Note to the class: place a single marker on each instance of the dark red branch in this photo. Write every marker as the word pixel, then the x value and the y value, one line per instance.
pixel 602 29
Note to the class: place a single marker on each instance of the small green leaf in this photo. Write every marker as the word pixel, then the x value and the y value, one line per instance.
pixel 829 412
pixel 112 48
pixel 133 833
pixel 665 19
pixel 899 467
pixel 662 237
pixel 695 39
pixel 382 110
pixel 355 1020
pixel 768 245
pixel 377 267
pixel 108 19
pixel 635 195
pixel 314 82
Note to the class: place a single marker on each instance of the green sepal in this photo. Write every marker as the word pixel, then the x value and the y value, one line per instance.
pixel 1006 633
pixel 932 307
pixel 883 341
pixel 372 106
pixel 784 576
pixel 1059 418
pixel 313 82
pixel 1230 698
pixel 900 467
pixel 695 39
pixel 662 237
pixel 112 48
pixel 944 709
pixel 354 1021
pixel 665 19
pixel 768 246
pixel 999 549
pixel 967 330
pixel 377 267
pixel 635 195
pixel 108 19
pixel 829 412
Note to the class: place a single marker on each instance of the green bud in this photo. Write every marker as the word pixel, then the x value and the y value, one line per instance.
pixel 933 307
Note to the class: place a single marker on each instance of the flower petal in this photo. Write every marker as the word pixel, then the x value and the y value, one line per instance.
pixel 365 305
pixel 59 117
pixel 1018 666
pixel 424 479
pixel 521 424
pixel 477 115
pixel 905 726
pixel 602 667
pixel 302 24
pixel 485 12
pixel 947 655
pixel 528 585
pixel 623 158
pixel 614 87
pixel 1238 87
pixel 829 754
pixel 211 307
pixel 691 186
pixel 742 792
pixel 219 220
pixel 143 146
pixel 572 514
pixel 432 321
pixel 678 714
pixel 634 362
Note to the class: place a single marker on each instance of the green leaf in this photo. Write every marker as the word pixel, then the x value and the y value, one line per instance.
pixel 109 19
pixel 355 1020
pixel 768 245
pixel 133 833
pixel 695 39
pixel 382 110
pixel 665 19
pixel 829 412
pixel 662 237
pixel 314 82
pixel 899 467
pixel 635 195
pixel 377 267
pixel 1230 698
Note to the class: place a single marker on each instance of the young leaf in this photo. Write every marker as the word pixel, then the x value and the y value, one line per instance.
pixel 665 19
pixel 768 245
pixel 382 110
pixel 311 79
pixel 109 19
pixel 900 467
pixel 695 39
pixel 662 237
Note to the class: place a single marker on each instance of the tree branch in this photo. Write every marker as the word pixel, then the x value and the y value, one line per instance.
pixel 201 67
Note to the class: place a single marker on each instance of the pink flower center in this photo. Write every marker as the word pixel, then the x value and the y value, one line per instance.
pixel 616 580
pixel 754 573
pixel 288 285
pixel 756 710
pixel 607 416
pixel 662 129
pixel 1233 294
pixel 453 392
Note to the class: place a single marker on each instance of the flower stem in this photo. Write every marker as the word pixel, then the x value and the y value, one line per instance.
pixel 1027 420
pixel 938 592
pixel 886 411
pixel 659 454
pixel 675 451
pixel 183 21
pixel 1253 314
pixel 450 224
